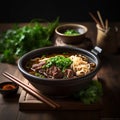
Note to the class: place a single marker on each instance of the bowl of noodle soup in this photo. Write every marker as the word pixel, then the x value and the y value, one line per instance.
pixel 60 70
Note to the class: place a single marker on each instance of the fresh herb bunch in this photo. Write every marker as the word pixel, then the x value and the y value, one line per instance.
pixel 92 94
pixel 19 40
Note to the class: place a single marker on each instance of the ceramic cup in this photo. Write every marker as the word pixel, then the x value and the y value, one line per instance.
pixel 107 39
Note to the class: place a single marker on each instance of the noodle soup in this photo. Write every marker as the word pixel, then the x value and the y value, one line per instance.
pixel 73 69
pixel 60 66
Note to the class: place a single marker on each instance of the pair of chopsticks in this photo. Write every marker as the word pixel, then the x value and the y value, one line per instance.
pixel 32 91
pixel 100 20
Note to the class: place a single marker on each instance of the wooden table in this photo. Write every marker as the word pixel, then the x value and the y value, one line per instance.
pixel 110 79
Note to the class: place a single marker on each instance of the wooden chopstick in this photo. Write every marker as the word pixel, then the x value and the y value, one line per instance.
pixel 96 21
pixel 106 24
pixel 33 92
pixel 101 20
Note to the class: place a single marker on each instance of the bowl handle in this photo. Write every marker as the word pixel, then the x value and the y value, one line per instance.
pixel 97 50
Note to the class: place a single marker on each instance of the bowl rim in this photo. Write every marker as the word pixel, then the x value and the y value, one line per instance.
pixel 70 25
pixel 21 68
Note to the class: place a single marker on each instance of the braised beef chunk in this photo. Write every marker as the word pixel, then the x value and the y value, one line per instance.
pixel 54 72
pixel 69 73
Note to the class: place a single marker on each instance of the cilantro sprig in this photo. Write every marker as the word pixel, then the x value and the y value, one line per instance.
pixel 19 40
pixel 91 94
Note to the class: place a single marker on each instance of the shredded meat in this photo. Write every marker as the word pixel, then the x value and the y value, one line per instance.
pixel 38 66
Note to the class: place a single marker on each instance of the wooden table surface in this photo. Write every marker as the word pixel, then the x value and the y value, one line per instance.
pixel 109 75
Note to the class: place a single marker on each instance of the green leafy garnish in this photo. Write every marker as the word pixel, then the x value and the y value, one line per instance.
pixel 39 75
pixel 17 41
pixel 59 61
pixel 71 32
pixel 91 94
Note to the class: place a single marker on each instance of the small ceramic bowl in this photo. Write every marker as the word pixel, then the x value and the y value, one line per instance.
pixel 8 88
pixel 71 33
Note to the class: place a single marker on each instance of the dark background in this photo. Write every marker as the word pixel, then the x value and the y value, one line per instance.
pixel 67 10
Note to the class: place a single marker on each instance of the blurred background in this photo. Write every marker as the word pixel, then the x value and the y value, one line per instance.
pixel 68 11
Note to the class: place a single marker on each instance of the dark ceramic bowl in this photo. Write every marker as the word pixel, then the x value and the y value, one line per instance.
pixel 70 37
pixel 8 88
pixel 59 87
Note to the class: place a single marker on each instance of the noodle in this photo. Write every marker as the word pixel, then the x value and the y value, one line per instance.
pixel 81 65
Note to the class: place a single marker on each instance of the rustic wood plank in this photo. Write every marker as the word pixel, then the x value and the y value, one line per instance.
pixel 28 102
